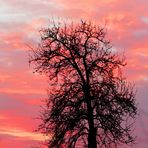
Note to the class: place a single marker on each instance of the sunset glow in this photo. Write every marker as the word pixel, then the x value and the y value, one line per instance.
pixel 21 91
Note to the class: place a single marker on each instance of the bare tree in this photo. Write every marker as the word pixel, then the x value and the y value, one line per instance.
pixel 89 101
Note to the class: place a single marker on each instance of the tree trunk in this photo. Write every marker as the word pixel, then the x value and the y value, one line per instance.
pixel 92 143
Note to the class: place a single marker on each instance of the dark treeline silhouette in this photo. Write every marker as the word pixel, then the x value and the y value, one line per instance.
pixel 90 102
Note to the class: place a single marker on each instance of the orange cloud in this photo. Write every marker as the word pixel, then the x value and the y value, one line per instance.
pixel 141 51
pixel 21 134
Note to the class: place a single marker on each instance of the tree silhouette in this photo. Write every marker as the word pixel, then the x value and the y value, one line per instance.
pixel 90 103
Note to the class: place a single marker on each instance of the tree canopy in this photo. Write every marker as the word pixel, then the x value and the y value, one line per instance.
pixel 90 102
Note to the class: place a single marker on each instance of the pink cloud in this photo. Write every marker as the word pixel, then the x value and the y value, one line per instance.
pixel 20 90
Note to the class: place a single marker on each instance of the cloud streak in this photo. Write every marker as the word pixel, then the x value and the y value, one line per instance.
pixel 21 134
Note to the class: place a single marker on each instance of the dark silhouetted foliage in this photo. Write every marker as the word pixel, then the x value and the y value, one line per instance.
pixel 90 102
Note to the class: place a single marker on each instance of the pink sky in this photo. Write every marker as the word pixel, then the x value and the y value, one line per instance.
pixel 21 90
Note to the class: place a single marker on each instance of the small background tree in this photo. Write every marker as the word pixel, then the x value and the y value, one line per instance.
pixel 90 103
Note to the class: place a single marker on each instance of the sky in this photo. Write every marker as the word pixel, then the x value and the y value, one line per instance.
pixel 21 91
